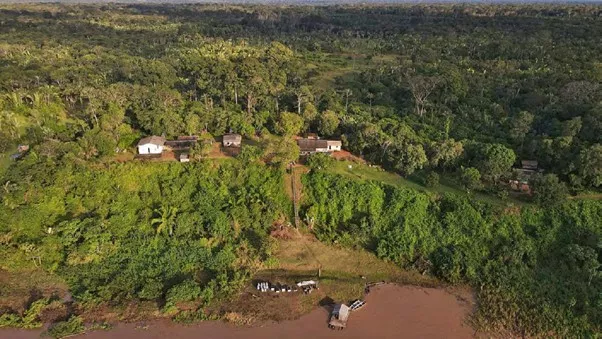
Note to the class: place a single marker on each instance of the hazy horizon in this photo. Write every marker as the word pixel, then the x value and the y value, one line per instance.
pixel 306 2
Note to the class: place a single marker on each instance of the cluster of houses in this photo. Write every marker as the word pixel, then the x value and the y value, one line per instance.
pixel 155 145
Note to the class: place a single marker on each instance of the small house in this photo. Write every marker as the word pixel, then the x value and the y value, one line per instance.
pixel 151 145
pixel 232 140
pixel 524 173
pixel 310 146
pixel 182 143
pixel 520 186
pixel 316 145
pixel 529 165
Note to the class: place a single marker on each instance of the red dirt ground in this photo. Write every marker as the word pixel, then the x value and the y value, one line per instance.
pixel 391 312
pixel 345 155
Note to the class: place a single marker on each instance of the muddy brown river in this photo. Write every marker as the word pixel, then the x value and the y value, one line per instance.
pixel 391 312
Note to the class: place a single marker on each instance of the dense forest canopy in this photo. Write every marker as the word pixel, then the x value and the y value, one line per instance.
pixel 464 92
pixel 401 84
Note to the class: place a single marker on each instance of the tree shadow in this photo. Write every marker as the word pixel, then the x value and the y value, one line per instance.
pixel 34 295
pixel 327 303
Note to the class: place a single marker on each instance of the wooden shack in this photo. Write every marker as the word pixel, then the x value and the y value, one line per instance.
pixel 529 165
pixel 182 143
pixel 232 140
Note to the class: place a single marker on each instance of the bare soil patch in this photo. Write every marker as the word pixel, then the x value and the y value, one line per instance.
pixel 19 289
pixel 342 273
pixel 346 155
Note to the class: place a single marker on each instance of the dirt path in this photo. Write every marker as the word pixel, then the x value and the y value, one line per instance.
pixel 391 312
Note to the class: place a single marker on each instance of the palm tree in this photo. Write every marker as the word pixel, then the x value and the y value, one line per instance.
pixel 165 222
pixel 15 99
pixel 9 122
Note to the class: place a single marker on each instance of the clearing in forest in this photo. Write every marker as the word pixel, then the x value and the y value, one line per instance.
pixel 365 172
pixel 343 275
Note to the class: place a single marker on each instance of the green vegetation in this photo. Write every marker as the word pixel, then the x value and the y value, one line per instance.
pixel 73 326
pixel 408 87
pixel 141 231
pixel 471 178
pixel 535 271
pixel 447 185
pixel 29 319
pixel 431 179
pixel 444 99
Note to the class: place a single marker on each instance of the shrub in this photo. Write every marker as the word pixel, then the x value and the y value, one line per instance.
pixel 548 190
pixel 188 290
pixel 249 153
pixel 471 178
pixel 320 161
pixel 431 179
pixel 30 319
pixel 10 320
pixel 74 325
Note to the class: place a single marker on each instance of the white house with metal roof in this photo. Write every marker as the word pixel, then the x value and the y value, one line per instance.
pixel 151 145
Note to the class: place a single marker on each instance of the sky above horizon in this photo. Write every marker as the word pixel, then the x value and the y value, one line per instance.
pixel 325 2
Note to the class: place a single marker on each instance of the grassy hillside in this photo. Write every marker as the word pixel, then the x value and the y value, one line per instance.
pixel 362 172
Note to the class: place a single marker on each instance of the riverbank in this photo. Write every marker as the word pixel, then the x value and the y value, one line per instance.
pixel 391 311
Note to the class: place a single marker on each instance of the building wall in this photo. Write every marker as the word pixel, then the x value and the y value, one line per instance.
pixel 150 149
pixel 334 145
pixel 232 143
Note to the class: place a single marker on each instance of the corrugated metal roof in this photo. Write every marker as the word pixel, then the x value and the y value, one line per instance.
pixel 155 140
pixel 531 164
pixel 310 145
pixel 232 138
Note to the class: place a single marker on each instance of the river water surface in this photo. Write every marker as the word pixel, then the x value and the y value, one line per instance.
pixel 391 311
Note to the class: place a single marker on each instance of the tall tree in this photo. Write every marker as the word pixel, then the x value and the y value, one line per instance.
pixel 289 124
pixel 494 160
pixel 328 122
pixel 590 165
pixel 421 88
